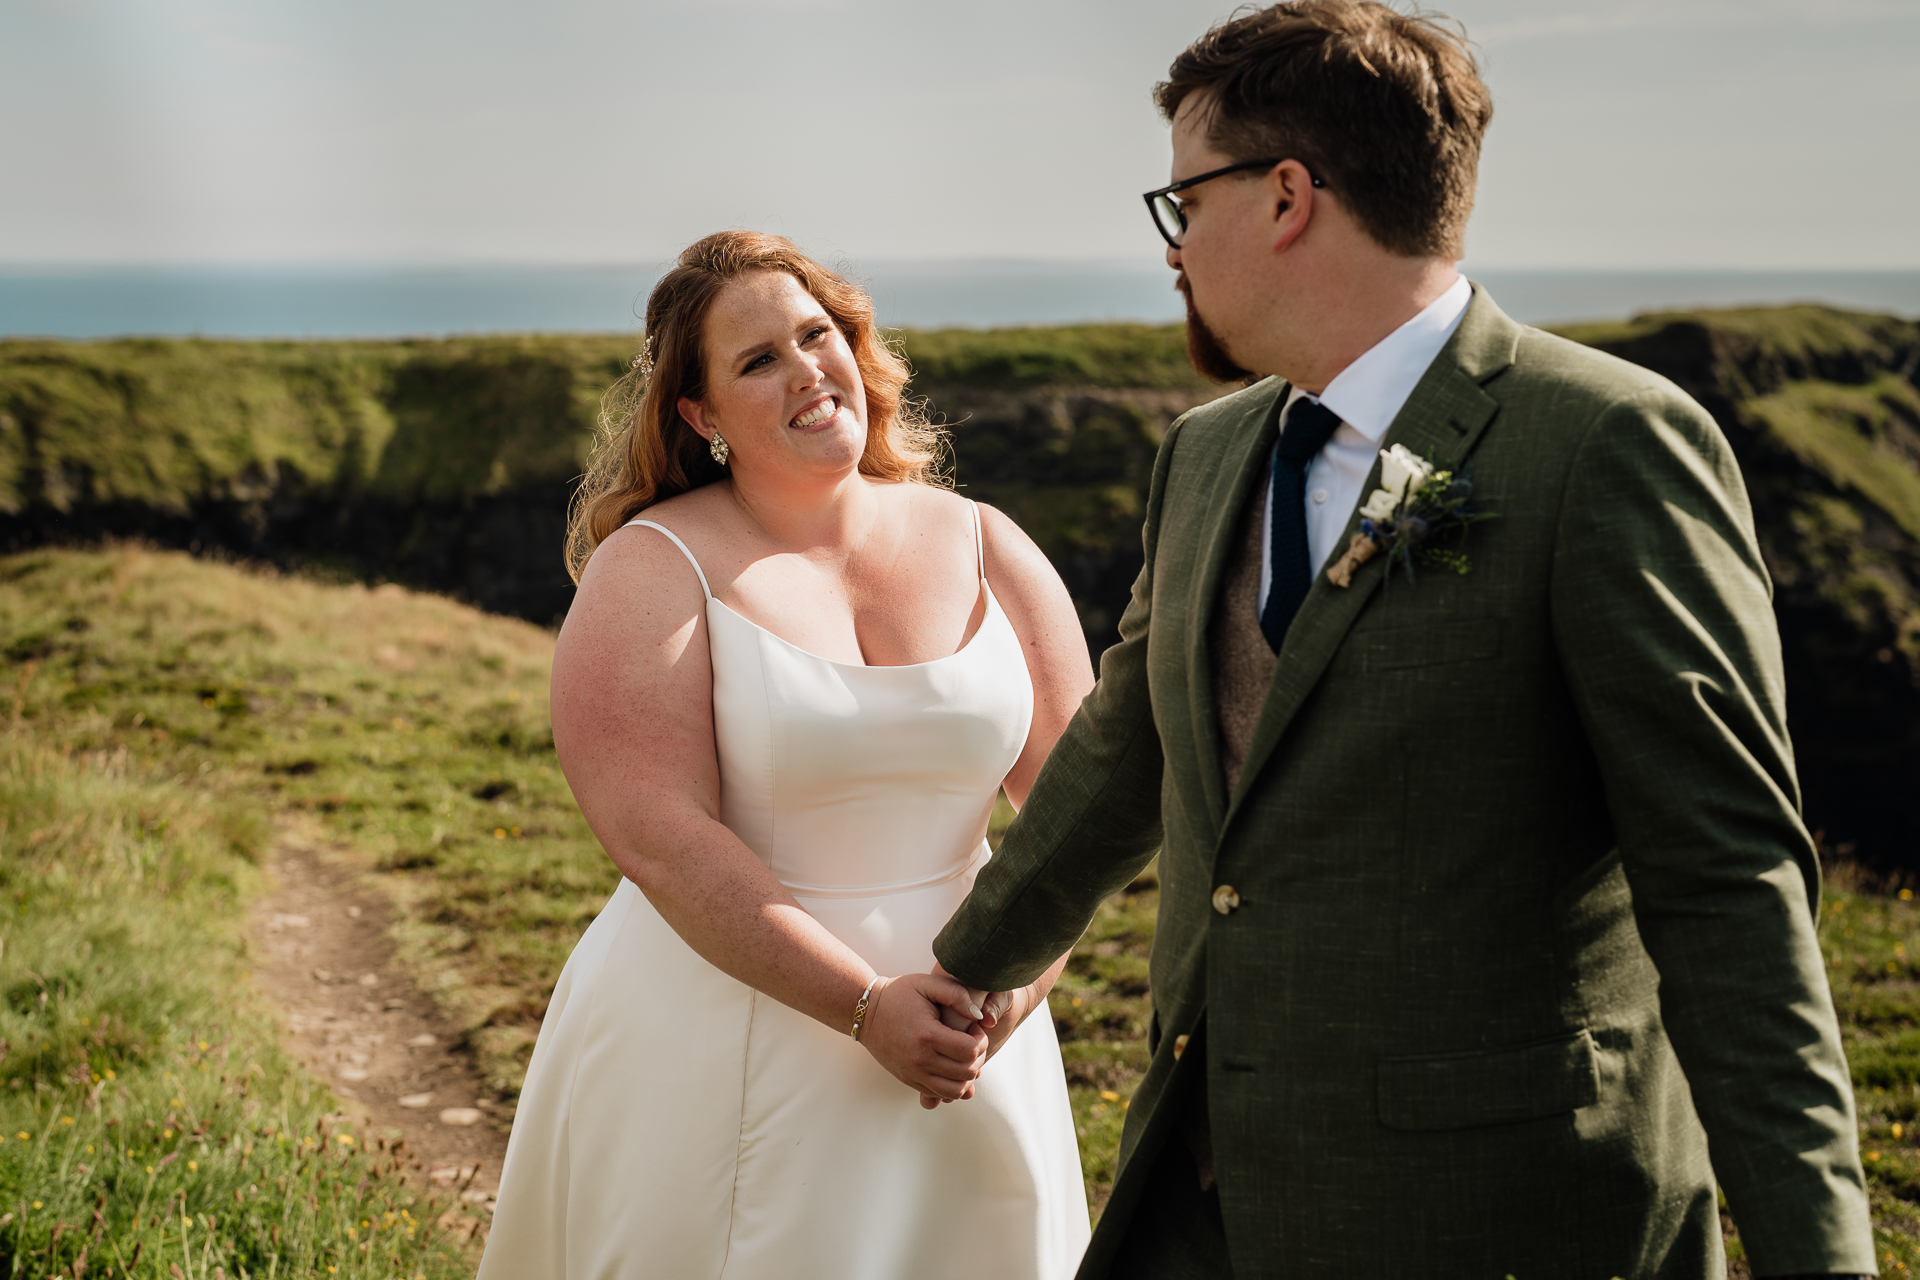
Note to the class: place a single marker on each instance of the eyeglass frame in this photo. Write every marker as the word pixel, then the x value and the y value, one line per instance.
pixel 1161 192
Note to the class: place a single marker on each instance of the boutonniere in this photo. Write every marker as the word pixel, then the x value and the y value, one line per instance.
pixel 1418 506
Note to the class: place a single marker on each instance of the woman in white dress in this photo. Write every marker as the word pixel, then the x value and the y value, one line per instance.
pixel 793 681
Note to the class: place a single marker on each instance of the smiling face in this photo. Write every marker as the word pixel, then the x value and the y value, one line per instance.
pixel 782 386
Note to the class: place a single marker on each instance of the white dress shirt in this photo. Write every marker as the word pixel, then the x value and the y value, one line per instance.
pixel 1367 395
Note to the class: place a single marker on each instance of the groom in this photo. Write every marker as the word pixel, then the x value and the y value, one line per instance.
pixel 1486 939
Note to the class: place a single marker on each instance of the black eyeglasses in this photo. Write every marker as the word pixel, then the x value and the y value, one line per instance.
pixel 1167 213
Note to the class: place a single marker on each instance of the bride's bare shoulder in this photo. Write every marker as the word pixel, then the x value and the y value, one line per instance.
pixel 639 572
pixel 928 502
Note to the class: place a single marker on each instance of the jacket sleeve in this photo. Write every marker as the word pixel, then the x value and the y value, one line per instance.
pixel 1092 820
pixel 1663 619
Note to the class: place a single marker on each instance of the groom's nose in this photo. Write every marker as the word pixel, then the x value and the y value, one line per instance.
pixel 1173 257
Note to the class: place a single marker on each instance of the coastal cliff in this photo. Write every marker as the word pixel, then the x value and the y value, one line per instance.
pixel 448 464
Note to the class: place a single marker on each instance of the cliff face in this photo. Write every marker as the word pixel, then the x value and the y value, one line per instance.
pixel 448 465
pixel 443 464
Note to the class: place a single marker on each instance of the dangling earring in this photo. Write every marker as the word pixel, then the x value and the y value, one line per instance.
pixel 718 448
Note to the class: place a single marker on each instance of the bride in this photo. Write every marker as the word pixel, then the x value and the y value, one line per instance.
pixel 794 678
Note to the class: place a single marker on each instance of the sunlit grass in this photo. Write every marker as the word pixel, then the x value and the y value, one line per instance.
pixel 412 728
pixel 160 715
pixel 147 1116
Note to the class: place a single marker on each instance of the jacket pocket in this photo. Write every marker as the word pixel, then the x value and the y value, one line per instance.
pixel 1368 652
pixel 1492 1087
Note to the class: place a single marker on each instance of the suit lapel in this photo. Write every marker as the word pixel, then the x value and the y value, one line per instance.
pixel 1242 468
pixel 1443 419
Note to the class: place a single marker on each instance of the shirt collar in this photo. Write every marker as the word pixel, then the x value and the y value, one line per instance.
pixel 1369 393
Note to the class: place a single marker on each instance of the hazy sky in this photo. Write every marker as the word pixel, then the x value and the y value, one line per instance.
pixel 1627 133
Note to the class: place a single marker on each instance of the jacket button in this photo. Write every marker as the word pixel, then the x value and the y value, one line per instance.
pixel 1225 899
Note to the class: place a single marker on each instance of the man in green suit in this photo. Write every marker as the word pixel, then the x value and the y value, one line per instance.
pixel 1486 937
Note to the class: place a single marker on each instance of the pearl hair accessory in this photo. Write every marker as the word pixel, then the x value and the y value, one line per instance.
pixel 644 361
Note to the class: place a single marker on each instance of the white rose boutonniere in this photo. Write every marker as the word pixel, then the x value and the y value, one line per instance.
pixel 1380 505
pixel 1418 502
pixel 1403 472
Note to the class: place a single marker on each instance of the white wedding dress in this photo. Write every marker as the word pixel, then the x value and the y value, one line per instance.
pixel 680 1125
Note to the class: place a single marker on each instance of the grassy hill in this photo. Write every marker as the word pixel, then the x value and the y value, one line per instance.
pixel 162 717
pixel 149 1117
pixel 447 466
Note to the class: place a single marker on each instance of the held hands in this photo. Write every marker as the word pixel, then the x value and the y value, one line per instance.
pixel 1000 1013
pixel 924 1028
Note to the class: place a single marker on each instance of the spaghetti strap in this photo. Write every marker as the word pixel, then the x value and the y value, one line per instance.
pixel 979 545
pixel 701 573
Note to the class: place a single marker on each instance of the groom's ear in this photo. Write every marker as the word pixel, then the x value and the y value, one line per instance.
pixel 1290 198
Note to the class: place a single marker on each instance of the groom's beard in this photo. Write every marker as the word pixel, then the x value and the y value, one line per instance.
pixel 1204 350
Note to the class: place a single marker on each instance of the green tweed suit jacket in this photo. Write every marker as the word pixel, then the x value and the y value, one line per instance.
pixel 1524 955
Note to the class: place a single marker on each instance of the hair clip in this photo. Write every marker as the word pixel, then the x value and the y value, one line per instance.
pixel 644 361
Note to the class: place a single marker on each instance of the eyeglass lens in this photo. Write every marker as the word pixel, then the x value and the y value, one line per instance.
pixel 1167 213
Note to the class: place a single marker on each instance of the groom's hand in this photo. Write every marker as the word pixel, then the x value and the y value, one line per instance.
pixel 993 1005
pixel 921 1027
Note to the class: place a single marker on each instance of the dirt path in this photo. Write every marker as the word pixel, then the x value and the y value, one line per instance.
pixel 324 960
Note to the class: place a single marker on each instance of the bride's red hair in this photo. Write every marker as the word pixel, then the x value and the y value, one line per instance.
pixel 648 453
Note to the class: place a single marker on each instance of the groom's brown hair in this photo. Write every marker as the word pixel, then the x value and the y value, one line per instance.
pixel 1386 108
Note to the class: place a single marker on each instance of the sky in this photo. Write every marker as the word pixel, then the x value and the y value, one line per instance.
pixel 1627 134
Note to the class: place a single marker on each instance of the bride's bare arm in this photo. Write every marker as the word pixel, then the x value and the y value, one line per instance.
pixel 1042 614
pixel 633 727
pixel 1037 604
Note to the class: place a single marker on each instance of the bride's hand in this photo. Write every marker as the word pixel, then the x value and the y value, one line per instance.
pixel 907 1033
pixel 1001 1012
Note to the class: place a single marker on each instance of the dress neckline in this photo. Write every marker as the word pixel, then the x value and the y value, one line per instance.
pixel 980 557
pixel 993 609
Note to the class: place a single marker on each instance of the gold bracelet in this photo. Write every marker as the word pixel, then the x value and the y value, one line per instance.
pixel 860 1009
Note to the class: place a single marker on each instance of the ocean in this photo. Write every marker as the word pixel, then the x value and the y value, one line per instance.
pixel 366 302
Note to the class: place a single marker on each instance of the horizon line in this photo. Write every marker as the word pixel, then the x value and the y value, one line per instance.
pixel 1143 266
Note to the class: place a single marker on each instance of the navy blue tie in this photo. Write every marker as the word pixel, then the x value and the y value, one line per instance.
pixel 1308 426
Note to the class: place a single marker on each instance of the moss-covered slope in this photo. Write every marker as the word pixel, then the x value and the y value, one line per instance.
pixel 448 465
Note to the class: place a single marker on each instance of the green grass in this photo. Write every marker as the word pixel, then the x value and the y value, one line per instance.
pixel 147 1113
pixel 1871 940
pixel 1863 438
pixel 171 423
pixel 1797 337
pixel 1100 1009
pixel 1087 355
pixel 412 728
pixel 161 717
